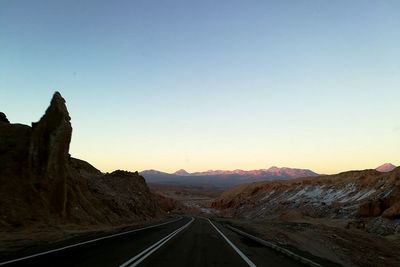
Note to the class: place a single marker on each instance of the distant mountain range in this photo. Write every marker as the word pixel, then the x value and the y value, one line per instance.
pixel 273 171
pixel 225 178
pixel 387 167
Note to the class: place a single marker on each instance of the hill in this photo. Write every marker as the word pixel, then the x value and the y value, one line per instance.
pixel 349 195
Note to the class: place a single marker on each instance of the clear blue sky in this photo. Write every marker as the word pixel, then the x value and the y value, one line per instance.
pixel 210 84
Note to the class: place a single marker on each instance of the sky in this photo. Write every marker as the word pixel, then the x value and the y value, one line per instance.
pixel 205 84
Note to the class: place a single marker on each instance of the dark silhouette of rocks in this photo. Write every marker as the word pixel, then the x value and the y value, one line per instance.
pixel 42 184
pixel 122 191
pixel 48 153
pixel 3 118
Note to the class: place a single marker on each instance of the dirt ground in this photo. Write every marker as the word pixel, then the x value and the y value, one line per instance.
pixel 197 200
pixel 327 238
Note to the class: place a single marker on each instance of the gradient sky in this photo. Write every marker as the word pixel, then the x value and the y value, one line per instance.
pixel 210 84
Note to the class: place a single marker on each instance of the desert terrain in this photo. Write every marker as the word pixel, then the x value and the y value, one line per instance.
pixel 47 196
pixel 351 218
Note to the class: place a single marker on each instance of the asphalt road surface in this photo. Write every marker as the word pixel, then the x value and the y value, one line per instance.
pixel 182 242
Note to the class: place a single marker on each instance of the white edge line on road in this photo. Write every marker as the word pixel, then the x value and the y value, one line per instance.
pixel 241 254
pixel 148 251
pixel 85 242
pixel 276 247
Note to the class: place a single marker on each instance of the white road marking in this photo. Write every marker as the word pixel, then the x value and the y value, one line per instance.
pixel 85 242
pixel 148 251
pixel 241 254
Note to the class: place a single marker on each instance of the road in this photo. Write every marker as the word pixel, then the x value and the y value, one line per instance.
pixel 185 242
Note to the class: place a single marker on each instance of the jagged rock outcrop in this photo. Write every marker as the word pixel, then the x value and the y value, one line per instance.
pixel 48 154
pixel 42 184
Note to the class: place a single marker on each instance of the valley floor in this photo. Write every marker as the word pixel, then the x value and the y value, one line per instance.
pixel 326 238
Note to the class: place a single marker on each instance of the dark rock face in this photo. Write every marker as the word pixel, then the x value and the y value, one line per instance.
pixel 16 189
pixel 126 193
pixel 41 183
pixel 48 153
pixel 388 207
pixel 34 164
pixel 3 118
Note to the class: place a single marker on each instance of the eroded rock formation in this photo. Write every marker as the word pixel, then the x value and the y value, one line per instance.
pixel 367 195
pixel 41 183
pixel 48 154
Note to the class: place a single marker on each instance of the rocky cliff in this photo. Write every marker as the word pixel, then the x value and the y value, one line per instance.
pixel 369 196
pixel 42 184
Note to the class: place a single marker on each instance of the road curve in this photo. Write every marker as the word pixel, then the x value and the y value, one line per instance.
pixel 188 242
